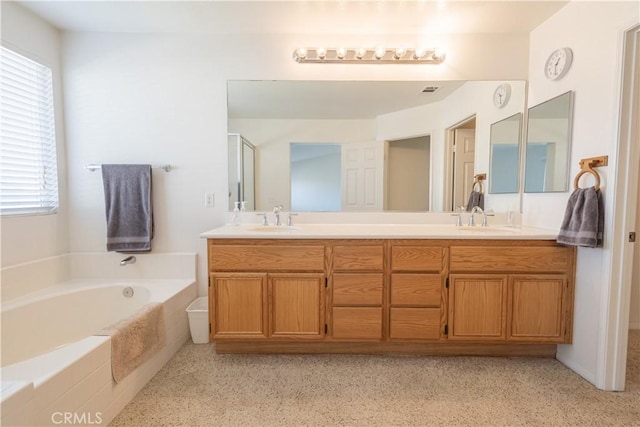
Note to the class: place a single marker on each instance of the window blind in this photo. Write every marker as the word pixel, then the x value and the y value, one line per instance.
pixel 28 170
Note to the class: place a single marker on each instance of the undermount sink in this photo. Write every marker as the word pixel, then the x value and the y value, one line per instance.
pixel 488 229
pixel 272 229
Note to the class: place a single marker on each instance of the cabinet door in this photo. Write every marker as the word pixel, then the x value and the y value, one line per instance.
pixel 537 305
pixel 238 305
pixel 297 305
pixel 477 307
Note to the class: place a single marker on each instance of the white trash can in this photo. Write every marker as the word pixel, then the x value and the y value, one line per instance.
pixel 198 312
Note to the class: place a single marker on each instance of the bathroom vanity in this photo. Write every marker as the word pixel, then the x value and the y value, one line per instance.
pixel 411 289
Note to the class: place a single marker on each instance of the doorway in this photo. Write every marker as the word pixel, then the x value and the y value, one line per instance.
pixel 460 163
pixel 408 167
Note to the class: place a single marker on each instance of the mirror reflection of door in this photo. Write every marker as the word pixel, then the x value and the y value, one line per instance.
pixel 408 164
pixel 362 170
pixel 463 165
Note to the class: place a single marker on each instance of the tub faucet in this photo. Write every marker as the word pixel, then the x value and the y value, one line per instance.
pixel 128 260
pixel 484 216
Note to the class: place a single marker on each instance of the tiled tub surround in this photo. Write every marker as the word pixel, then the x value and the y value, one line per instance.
pixel 73 377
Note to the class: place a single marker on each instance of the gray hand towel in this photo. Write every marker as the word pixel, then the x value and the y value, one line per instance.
pixel 583 222
pixel 127 194
pixel 476 198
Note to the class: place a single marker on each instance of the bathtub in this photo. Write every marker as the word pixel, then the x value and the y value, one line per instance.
pixel 55 370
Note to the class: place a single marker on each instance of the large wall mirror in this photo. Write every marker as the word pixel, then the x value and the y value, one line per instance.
pixel 549 145
pixel 504 170
pixel 386 141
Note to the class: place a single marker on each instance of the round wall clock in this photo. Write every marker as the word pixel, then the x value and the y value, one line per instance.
pixel 501 95
pixel 558 63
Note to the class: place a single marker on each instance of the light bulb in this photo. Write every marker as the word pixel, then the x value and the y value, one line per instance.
pixel 301 53
pixel 379 53
pixel 322 52
pixel 360 53
pixel 437 54
pixel 419 53
pixel 341 53
pixel 400 52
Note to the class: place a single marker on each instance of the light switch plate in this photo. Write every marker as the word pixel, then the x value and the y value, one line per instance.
pixel 209 200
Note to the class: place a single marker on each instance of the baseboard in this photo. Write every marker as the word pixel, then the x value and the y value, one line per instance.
pixel 634 325
pixel 577 368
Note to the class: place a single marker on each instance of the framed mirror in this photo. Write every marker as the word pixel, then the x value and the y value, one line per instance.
pixel 548 145
pixel 504 165
pixel 393 139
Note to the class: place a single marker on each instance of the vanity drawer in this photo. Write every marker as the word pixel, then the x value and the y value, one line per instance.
pixel 416 289
pixel 357 323
pixel 358 258
pixel 357 289
pixel 266 258
pixel 414 323
pixel 416 258
pixel 510 258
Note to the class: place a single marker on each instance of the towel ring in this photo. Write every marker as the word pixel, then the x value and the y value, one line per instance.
pixel 582 172
pixel 473 186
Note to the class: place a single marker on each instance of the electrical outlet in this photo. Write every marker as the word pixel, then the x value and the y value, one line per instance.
pixel 209 200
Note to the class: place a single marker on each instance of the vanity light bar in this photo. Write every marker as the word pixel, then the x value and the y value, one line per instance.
pixel 377 55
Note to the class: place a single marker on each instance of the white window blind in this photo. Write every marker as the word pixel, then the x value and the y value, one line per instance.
pixel 28 171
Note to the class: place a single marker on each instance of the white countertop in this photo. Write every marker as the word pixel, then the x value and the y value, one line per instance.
pixel 378 231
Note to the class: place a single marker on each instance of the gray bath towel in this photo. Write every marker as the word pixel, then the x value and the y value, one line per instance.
pixel 583 222
pixel 127 200
pixel 476 198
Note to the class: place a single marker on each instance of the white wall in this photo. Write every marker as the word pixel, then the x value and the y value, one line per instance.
pixel 27 238
pixel 473 98
pixel 593 30
pixel 272 138
pixel 407 175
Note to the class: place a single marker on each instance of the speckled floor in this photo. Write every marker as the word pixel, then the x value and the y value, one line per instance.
pixel 200 388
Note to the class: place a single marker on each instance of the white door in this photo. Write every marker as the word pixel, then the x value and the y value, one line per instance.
pixel 463 166
pixel 362 164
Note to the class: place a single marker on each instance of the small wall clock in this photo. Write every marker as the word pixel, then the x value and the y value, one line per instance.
pixel 501 95
pixel 558 63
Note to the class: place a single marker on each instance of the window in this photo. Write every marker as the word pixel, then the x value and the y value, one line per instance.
pixel 28 172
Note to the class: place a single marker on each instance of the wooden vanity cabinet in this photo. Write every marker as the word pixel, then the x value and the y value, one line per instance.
pixel 416 299
pixel 262 290
pixel 356 282
pixel 519 292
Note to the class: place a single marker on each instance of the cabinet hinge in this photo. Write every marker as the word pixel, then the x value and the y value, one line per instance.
pixel 446 283
pixel 446 329
pixel 632 237
pixel 209 327
pixel 326 328
pixel 326 282
pixel 209 281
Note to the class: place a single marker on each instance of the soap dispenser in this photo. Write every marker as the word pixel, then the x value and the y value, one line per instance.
pixel 235 219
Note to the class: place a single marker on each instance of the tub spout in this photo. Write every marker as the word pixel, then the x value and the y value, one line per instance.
pixel 128 260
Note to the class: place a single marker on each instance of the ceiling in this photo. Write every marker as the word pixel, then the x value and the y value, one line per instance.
pixel 297 17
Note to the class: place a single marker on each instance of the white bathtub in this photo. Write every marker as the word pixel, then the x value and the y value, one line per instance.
pixel 54 368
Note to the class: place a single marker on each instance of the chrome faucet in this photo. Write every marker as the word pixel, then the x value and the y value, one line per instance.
pixel 458 215
pixel 276 212
pixel 484 216
pixel 128 260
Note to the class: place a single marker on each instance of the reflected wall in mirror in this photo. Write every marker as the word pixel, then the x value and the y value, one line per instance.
pixel 504 171
pixel 549 145
pixel 376 124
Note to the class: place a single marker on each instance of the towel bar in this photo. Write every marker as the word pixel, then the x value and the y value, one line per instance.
pixel 93 167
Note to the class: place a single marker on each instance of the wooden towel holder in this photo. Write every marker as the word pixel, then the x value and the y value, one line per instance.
pixel 587 165
pixel 477 179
